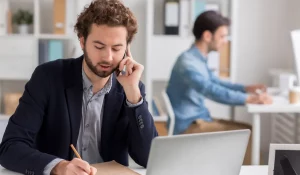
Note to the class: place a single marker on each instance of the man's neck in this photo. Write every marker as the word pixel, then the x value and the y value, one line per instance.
pixel 203 48
pixel 98 82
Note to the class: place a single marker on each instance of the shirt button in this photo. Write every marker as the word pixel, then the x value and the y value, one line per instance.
pixel 87 125
pixel 84 148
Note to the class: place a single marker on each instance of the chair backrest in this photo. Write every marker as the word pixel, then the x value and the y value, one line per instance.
pixel 170 112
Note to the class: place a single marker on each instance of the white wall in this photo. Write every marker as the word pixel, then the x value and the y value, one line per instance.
pixel 138 47
pixel 264 43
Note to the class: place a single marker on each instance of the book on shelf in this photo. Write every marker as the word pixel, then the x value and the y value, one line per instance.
pixel 171 22
pixel 198 7
pixel 59 16
pixel 55 50
pixel 43 51
pixel 9 22
pixel 180 15
pixel 50 50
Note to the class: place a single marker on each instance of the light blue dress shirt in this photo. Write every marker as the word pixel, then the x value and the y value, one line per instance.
pixel 191 82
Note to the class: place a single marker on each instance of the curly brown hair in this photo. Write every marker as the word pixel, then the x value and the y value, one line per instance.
pixel 106 12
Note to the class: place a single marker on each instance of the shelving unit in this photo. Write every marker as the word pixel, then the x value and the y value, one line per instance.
pixel 27 46
pixel 19 55
pixel 163 50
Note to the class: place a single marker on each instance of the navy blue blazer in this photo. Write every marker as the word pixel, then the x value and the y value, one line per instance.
pixel 48 118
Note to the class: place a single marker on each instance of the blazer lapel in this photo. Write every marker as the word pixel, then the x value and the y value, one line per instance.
pixel 111 110
pixel 74 92
pixel 74 101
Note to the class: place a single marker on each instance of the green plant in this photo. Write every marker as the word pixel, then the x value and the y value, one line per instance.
pixel 23 17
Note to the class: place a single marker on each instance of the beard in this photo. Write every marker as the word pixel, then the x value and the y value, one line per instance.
pixel 93 68
pixel 212 46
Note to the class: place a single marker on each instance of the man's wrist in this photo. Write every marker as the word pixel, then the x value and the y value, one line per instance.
pixel 252 99
pixel 133 94
pixel 59 168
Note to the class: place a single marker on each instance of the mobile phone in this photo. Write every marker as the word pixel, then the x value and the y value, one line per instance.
pixel 124 69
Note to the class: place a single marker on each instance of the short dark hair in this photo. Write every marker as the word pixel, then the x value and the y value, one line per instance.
pixel 209 20
pixel 109 12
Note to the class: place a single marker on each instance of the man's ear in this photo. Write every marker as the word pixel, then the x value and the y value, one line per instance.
pixel 207 36
pixel 81 39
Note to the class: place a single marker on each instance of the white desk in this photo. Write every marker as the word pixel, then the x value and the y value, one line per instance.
pixel 280 105
pixel 246 170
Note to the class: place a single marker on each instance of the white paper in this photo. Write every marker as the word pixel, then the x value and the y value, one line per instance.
pixel 171 14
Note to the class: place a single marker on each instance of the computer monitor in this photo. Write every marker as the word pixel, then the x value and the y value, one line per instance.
pixel 295 36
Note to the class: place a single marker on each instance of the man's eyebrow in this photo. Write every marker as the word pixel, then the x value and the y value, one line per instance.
pixel 99 42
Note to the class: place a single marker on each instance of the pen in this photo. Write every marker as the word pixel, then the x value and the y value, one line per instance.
pixel 75 151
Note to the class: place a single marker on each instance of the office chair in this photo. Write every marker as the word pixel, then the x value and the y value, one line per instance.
pixel 170 112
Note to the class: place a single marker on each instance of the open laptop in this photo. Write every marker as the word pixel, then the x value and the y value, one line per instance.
pixel 217 153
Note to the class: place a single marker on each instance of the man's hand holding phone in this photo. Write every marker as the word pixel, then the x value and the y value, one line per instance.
pixel 130 78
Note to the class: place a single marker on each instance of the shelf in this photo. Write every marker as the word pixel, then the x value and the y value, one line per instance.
pixel 172 37
pixel 162 36
pixel 191 37
pixel 55 36
pixel 15 35
pixel 41 36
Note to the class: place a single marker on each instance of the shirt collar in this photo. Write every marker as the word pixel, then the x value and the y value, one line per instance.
pixel 196 52
pixel 87 84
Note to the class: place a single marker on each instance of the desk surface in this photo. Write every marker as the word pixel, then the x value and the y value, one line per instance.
pixel 246 170
pixel 280 104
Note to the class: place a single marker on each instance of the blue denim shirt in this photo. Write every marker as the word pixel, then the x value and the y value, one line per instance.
pixel 191 82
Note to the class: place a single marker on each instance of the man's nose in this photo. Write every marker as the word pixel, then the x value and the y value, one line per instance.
pixel 108 55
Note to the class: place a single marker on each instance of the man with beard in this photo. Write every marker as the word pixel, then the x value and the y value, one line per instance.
pixel 192 81
pixel 88 102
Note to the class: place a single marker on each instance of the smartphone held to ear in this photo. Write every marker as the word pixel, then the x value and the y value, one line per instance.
pixel 123 72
